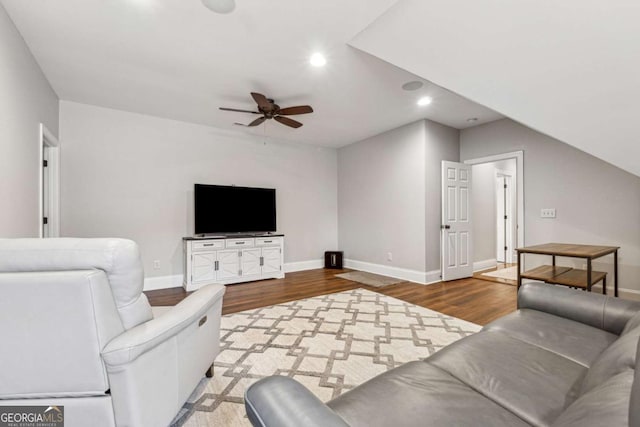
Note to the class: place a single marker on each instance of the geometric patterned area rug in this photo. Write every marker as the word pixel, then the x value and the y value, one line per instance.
pixel 370 279
pixel 330 343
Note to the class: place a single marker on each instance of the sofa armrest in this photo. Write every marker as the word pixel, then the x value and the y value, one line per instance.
pixel 279 401
pixel 600 311
pixel 128 346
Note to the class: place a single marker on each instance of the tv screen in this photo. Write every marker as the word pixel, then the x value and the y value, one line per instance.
pixel 223 209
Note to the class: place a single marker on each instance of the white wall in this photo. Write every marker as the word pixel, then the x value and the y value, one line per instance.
pixel 131 175
pixel 596 203
pixel 483 206
pixel 389 197
pixel 26 100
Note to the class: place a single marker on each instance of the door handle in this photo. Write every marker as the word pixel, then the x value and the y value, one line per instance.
pixel 445 227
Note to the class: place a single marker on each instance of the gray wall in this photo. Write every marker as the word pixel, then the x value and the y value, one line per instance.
pixel 442 143
pixel 389 195
pixel 483 206
pixel 26 100
pixel 131 175
pixel 596 203
pixel 381 204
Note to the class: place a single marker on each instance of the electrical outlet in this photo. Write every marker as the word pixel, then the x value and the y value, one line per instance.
pixel 548 213
pixel 156 264
pixel 389 256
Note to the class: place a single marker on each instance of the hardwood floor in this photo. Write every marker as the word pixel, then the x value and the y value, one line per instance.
pixel 500 266
pixel 474 300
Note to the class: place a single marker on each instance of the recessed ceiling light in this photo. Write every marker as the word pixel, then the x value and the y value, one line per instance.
pixel 318 60
pixel 414 85
pixel 220 6
pixel 472 119
pixel 425 100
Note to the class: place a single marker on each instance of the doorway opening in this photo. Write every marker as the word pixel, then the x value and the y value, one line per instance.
pixel 49 188
pixel 498 207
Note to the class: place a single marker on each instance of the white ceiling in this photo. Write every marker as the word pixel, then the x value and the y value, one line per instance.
pixel 176 59
pixel 569 69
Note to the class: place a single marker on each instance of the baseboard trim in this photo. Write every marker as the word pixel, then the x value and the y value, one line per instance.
pixel 483 265
pixel 422 277
pixel 290 267
pixel 630 294
pixel 162 282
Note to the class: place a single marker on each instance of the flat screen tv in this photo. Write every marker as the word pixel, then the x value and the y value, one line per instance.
pixel 221 209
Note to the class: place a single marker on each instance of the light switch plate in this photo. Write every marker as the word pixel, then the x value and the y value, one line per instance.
pixel 548 213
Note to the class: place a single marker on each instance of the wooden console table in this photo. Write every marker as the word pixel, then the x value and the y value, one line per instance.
pixel 568 276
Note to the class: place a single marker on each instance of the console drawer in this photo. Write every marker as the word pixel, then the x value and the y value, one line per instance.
pixel 239 243
pixel 207 244
pixel 269 241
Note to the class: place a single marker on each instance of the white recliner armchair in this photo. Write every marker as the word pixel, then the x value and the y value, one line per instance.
pixel 76 330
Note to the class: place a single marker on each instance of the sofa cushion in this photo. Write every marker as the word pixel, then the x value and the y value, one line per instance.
pixel 619 357
pixel 573 340
pixel 633 323
pixel 605 405
pixel 419 394
pixel 534 383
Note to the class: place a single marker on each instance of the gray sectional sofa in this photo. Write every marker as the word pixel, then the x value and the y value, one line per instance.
pixel 564 358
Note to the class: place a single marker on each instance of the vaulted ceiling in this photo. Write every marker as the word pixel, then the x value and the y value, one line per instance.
pixel 176 59
pixel 569 69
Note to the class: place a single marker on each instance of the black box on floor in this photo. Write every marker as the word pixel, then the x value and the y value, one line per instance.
pixel 333 259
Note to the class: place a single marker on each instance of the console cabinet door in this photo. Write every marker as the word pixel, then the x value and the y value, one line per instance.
pixel 228 264
pixel 250 262
pixel 272 260
pixel 203 267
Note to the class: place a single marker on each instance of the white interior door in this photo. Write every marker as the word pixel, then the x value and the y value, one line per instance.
pixel 456 237
pixel 505 217
pixel 46 190
pixel 501 219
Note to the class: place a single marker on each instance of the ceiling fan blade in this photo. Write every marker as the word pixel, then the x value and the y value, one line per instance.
pixel 292 111
pixel 257 121
pixel 288 122
pixel 262 101
pixel 239 111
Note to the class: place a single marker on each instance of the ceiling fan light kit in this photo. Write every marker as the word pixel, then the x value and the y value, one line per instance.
pixel 220 6
pixel 270 110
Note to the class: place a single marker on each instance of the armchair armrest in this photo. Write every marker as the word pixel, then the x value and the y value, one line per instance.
pixel 603 312
pixel 279 401
pixel 128 346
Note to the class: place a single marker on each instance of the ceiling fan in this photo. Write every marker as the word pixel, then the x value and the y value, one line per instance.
pixel 270 110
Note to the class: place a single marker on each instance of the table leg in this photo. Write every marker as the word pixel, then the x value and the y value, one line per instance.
pixel 519 269
pixel 589 274
pixel 553 260
pixel 604 285
pixel 615 273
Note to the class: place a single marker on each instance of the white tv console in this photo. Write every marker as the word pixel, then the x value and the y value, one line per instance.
pixel 232 259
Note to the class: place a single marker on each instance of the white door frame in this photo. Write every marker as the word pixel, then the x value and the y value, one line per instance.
pixel 48 141
pixel 519 157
